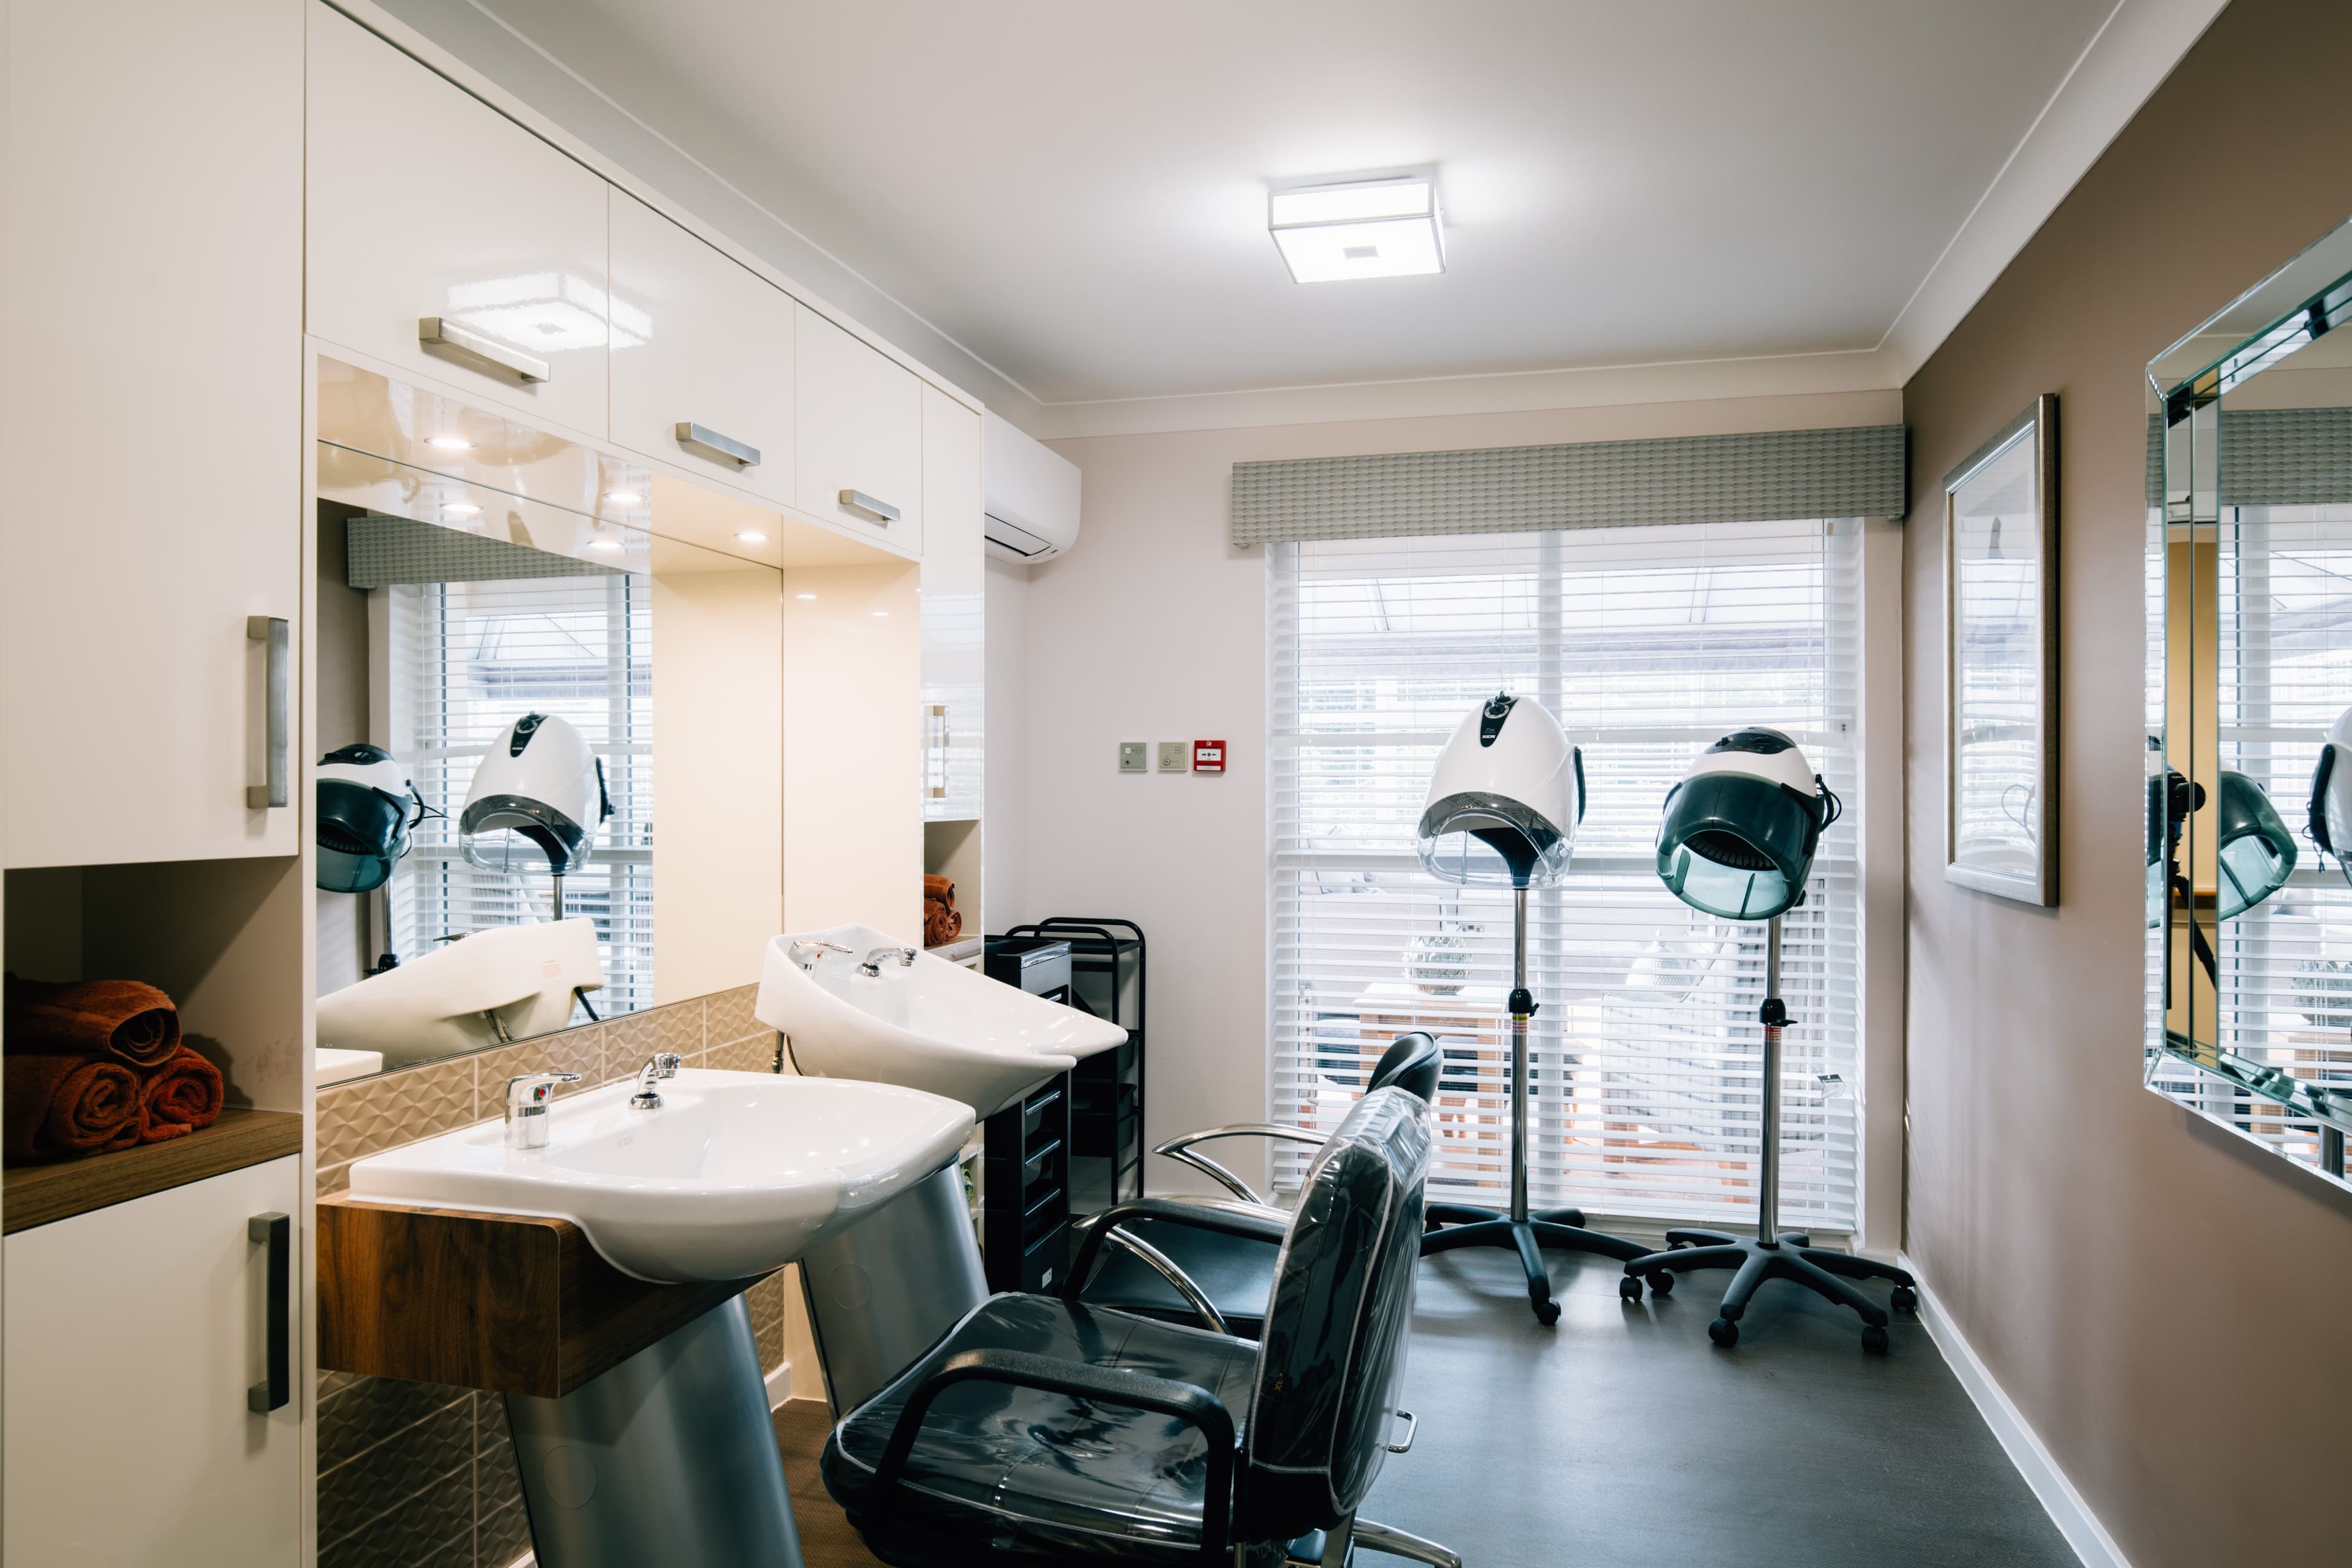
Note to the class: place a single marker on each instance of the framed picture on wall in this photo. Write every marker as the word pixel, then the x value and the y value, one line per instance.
pixel 2000 662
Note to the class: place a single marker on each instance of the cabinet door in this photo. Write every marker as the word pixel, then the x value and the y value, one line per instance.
pixel 861 425
pixel 426 202
pixel 955 671
pixel 153 426
pixel 715 349
pixel 133 1334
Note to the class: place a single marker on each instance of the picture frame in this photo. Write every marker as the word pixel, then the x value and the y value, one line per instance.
pixel 2000 662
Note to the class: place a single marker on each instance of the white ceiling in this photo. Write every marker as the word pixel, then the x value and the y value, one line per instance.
pixel 1073 192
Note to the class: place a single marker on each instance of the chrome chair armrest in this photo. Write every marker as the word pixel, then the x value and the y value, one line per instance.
pixel 1168 1269
pixel 1180 1149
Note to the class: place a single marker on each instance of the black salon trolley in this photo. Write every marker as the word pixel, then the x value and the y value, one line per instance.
pixel 1073 1146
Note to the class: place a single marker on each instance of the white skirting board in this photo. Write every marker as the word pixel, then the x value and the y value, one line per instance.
pixel 2067 1509
pixel 780 1385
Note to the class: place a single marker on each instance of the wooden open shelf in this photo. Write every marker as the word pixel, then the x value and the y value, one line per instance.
pixel 39 1195
pixel 509 1303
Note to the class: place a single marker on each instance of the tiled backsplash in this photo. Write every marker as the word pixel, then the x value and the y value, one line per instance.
pixel 413 1475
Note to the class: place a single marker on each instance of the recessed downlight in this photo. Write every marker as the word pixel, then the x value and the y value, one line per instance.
pixel 881 612
pixel 803 596
pixel 459 509
pixel 622 497
pixel 449 443
pixel 604 544
pixel 752 536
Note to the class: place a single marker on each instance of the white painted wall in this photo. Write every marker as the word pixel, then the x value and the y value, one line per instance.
pixel 1153 628
pixel 1004 846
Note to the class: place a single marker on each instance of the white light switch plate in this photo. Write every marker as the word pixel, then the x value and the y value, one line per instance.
pixel 1131 757
pixel 1174 757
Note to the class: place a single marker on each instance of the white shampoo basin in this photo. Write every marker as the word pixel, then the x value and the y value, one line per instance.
pixel 735 1173
pixel 932 1026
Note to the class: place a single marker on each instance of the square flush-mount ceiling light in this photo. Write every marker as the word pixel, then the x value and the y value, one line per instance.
pixel 1387 226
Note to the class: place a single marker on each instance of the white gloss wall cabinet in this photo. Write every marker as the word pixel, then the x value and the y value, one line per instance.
pixel 134 1333
pixel 151 429
pixel 707 343
pixel 955 571
pixel 860 415
pixel 424 202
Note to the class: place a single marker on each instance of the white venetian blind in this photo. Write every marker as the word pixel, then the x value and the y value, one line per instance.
pixel 1649 643
pixel 2285 614
pixel 469 658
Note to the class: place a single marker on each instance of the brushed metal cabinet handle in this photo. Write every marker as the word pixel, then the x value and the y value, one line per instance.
pixel 703 441
pixel 867 507
pixel 277 706
pixel 439 333
pixel 276 1386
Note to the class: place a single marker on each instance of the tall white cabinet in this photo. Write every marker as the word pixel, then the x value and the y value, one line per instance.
pixel 955 665
pixel 151 427
pixel 138 1334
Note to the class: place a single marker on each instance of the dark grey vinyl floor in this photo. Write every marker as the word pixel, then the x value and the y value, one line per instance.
pixel 1623 1438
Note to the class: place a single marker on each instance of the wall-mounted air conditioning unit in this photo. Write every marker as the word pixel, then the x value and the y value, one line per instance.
pixel 1032 496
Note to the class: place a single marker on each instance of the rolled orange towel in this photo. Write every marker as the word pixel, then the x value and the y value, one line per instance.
pixel 56 1107
pixel 133 1022
pixel 180 1097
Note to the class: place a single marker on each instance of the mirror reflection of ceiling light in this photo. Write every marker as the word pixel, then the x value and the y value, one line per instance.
pixel 449 443
pixel 604 544
pixel 803 596
pixel 460 508
pixel 622 497
pixel 1342 229
pixel 752 536
pixel 549 312
pixel 881 612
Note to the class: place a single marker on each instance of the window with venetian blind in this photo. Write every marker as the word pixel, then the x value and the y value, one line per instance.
pixel 1649 642
pixel 468 658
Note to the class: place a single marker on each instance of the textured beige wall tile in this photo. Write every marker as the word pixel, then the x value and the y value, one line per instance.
pixel 334 1179
pixel 377 1113
pixel 679 1027
pixel 577 1050
pixel 726 1015
pixel 629 1039
pixel 756 1053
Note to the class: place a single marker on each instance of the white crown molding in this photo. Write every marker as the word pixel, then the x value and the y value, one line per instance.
pixel 2123 64
pixel 1688 381
pixel 2024 1446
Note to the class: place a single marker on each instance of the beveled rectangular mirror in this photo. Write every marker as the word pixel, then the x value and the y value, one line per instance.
pixel 2248 785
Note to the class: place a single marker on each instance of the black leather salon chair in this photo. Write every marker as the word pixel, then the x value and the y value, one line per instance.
pixel 1234 1272
pixel 1049 1430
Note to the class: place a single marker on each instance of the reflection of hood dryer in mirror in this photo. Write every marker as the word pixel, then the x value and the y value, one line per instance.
pixel 2331 795
pixel 537 800
pixel 508 983
pixel 366 807
pixel 2253 850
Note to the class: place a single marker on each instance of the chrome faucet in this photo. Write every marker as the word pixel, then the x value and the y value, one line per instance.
pixel 806 949
pixel 528 1095
pixel 872 967
pixel 659 1065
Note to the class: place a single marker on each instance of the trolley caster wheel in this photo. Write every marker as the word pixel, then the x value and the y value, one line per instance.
pixel 1661 1282
pixel 1546 1313
pixel 1904 1299
pixel 1724 1332
pixel 1874 1338
pixel 1629 1286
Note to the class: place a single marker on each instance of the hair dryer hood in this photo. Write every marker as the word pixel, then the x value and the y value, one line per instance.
pixel 2253 849
pixel 366 806
pixel 1505 799
pixel 537 800
pixel 2331 795
pixel 1739 831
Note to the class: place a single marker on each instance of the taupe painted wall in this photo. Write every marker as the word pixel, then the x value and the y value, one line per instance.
pixel 2166 1304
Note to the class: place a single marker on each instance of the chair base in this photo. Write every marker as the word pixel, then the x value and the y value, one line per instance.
pixel 1338 1546
pixel 1792 1257
pixel 1560 1230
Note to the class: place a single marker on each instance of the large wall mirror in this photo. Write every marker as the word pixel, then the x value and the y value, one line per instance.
pixel 2249 775
pixel 548 748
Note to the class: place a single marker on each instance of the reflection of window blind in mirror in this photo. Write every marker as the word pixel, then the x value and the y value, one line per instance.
pixel 2285 612
pixel 1997 665
pixel 467 660
pixel 1649 643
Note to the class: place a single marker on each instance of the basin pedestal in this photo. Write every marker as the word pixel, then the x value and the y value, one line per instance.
pixel 670 1458
pixel 886 1290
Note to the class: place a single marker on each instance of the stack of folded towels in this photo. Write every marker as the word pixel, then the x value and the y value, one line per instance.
pixel 942 924
pixel 96 1065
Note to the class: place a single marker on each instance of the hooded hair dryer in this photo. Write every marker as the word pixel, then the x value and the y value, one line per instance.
pixel 537 800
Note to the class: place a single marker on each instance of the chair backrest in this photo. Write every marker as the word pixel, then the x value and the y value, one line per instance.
pixel 1333 1350
pixel 1413 1063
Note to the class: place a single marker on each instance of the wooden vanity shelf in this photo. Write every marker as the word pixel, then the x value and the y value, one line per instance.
pixel 37 1194
pixel 504 1303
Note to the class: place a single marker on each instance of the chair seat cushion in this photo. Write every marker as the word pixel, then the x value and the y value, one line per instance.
pixel 1050 1478
pixel 1235 1272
